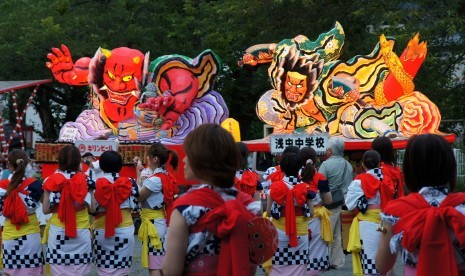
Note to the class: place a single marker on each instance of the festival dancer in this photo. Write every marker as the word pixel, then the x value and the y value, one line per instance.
pixel 393 180
pixel 156 198
pixel 319 225
pixel 364 195
pixel 66 196
pixel 211 214
pixel 271 175
pixel 428 225
pixel 113 200
pixel 246 179
pixel 274 173
pixel 290 204
pixel 19 198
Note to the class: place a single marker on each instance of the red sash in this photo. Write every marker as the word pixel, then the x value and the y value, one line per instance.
pixel 284 196
pixel 278 175
pixel 370 185
pixel 228 221
pixel 248 182
pixel 170 189
pixel 427 228
pixel 14 208
pixel 72 190
pixel 111 196
pixel 392 180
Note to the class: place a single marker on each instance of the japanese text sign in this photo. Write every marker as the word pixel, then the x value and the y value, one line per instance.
pixel 96 147
pixel 69 134
pixel 278 142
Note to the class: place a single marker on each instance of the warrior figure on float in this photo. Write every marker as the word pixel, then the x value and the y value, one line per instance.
pixel 178 93
pixel 365 97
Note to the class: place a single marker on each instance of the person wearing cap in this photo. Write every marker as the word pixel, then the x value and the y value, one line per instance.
pixel 94 170
pixel 88 158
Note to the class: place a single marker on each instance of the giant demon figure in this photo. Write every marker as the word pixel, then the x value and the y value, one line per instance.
pixel 117 76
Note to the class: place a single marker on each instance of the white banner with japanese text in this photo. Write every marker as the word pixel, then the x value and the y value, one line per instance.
pixel 278 142
pixel 96 147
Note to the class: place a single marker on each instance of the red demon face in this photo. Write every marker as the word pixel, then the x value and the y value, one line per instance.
pixel 122 68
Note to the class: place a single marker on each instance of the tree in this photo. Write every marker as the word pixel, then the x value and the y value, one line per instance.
pixel 227 27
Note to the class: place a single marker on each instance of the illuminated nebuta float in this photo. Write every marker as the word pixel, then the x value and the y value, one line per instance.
pixel 133 99
pixel 366 97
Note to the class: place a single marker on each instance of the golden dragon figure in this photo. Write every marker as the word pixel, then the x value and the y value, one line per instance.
pixel 396 68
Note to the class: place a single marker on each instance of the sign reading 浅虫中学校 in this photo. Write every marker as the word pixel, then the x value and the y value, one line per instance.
pixel 278 142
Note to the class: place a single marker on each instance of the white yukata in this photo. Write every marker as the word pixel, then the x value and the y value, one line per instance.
pixel 23 255
pixel 113 255
pixel 69 256
pixel 318 249
pixel 369 237
pixel 155 201
pixel 434 196
pixel 289 260
pixel 266 184
pixel 203 248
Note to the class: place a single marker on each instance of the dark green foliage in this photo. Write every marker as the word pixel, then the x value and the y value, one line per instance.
pixel 29 29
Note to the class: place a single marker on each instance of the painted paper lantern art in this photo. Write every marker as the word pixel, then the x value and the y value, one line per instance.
pixel 363 98
pixel 134 99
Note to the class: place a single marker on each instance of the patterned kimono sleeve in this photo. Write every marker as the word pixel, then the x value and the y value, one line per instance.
pixel 267 183
pixel 395 244
pixel 192 213
pixel 54 199
pixel 268 172
pixel 275 210
pixel 153 184
pixel 32 199
pixel 90 183
pixel 35 190
pixel 354 194
pixel 133 202
pixel 2 194
pixel 135 188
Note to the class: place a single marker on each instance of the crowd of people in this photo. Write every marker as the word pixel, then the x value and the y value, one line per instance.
pixel 215 228
pixel 421 226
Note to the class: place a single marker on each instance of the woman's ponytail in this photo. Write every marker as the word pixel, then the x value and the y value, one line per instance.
pixel 173 159
pixel 308 172
pixel 18 160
